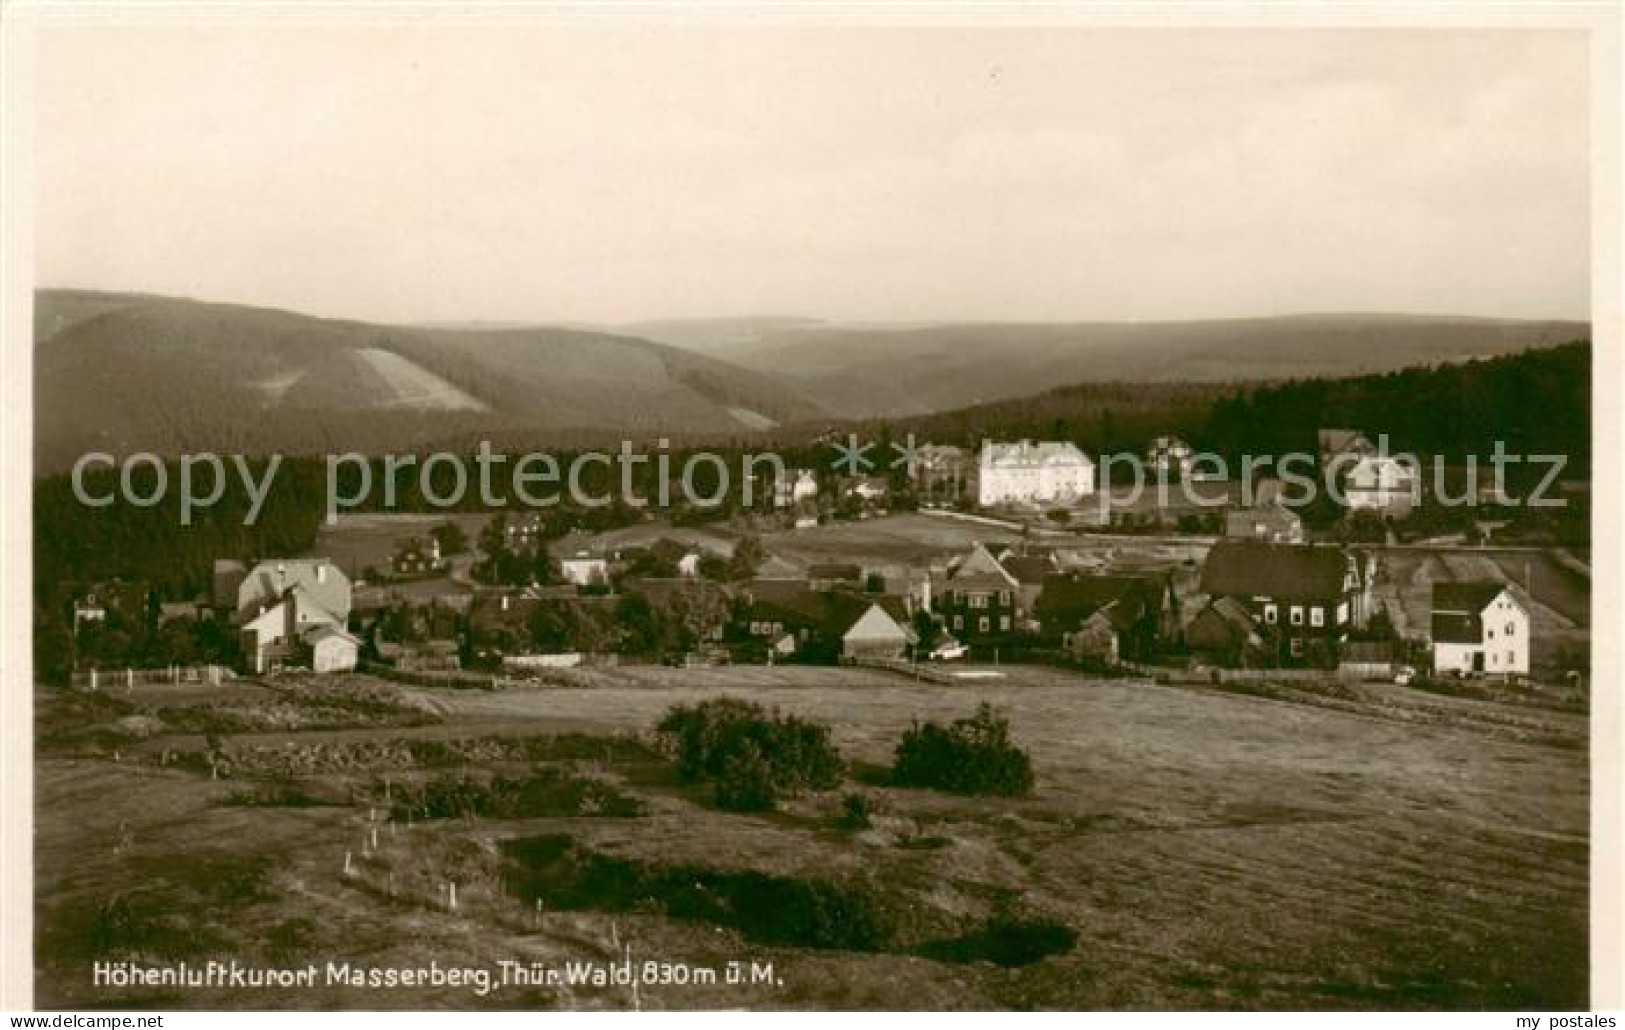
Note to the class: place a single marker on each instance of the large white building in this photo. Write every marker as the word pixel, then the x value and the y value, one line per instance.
pixel 1479 628
pixel 289 610
pixel 1025 472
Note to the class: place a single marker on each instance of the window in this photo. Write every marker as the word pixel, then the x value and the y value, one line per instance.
pixel 1297 647
pixel 978 600
pixel 1317 616
pixel 1004 598
pixel 982 624
pixel 1297 615
pixel 1269 614
pixel 959 622
pixel 1509 629
pixel 1510 659
pixel 1342 613
pixel 1494 658
pixel 1004 623
pixel 1490 635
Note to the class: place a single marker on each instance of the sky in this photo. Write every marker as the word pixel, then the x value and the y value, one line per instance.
pixel 616 171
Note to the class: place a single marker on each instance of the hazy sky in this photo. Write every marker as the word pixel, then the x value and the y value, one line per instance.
pixel 611 173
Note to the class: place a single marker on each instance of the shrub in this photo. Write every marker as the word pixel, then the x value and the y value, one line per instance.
pixel 810 912
pixel 970 756
pixel 754 758
pixel 1006 941
pixel 549 792
pixel 856 812
pixel 747 781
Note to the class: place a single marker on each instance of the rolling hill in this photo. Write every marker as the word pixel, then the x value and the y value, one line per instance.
pixel 124 372
pixel 894 371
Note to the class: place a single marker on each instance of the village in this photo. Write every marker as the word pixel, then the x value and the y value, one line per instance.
pixel 998 557
pixel 466 738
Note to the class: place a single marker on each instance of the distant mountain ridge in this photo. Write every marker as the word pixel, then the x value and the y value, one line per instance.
pixel 121 372
pixel 868 371
pixel 125 372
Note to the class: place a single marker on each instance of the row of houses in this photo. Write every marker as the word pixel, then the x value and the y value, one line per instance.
pixel 1058 473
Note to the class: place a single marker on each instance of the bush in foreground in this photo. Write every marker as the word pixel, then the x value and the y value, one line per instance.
pixel 755 758
pixel 971 756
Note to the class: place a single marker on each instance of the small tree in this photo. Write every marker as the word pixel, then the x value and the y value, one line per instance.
pixel 970 756
pixel 752 757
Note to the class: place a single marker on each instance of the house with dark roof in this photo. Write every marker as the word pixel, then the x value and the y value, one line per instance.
pixel 1306 597
pixel 1223 632
pixel 790 619
pixel 1479 627
pixel 977 599
pixel 1109 617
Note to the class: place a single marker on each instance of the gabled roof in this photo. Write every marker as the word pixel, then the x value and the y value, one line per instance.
pixel 832 613
pixel 1070 597
pixel 1029 569
pixel 878 623
pixel 1457 628
pixel 1250 568
pixel 1029 454
pixel 1470 597
pixel 1223 618
pixel 270 578
pixel 1341 441
pixel 1458 609
pixel 980 569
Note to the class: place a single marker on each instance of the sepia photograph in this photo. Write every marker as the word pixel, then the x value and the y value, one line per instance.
pixel 735 507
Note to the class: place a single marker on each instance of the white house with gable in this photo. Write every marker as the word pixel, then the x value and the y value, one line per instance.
pixel 1028 472
pixel 290 610
pixel 1479 627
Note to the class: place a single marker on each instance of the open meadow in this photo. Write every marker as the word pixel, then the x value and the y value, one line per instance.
pixel 1333 845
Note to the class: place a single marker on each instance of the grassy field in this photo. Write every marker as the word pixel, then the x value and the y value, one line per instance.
pixel 1345 848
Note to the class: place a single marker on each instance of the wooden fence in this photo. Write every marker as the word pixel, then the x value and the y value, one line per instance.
pixel 170 676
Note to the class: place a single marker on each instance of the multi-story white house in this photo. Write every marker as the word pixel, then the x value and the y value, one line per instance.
pixel 1479 627
pixel 1025 472
pixel 289 610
